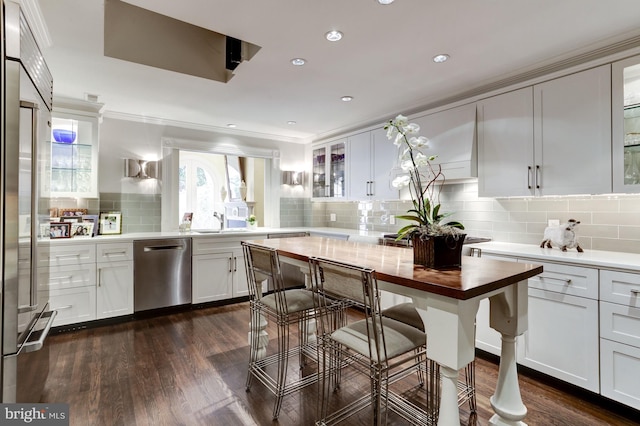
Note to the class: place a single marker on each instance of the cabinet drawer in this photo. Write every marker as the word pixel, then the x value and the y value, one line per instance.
pixel 114 252
pixel 620 323
pixel 216 245
pixel 57 277
pixel 66 254
pixel 620 287
pixel 565 279
pixel 73 305
pixel 620 372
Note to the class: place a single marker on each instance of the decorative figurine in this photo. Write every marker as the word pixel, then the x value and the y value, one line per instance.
pixel 562 236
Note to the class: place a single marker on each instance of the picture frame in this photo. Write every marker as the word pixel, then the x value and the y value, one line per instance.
pixel 59 230
pixel 82 230
pixel 110 223
pixel 72 212
pixel 94 219
pixel 53 212
pixel 44 230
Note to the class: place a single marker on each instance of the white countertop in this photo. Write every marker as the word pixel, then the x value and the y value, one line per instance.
pixel 594 258
pixel 371 237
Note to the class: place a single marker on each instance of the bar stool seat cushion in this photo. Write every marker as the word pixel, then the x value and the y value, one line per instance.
pixel 297 300
pixel 400 338
pixel 405 313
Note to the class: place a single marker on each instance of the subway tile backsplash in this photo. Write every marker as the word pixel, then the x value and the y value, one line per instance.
pixel 608 222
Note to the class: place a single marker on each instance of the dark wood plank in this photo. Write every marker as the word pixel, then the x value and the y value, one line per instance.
pixel 476 277
pixel 189 369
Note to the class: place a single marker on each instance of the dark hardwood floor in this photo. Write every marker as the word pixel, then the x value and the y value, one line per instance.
pixel 189 368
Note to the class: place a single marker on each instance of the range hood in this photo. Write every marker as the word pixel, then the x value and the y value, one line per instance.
pixel 452 137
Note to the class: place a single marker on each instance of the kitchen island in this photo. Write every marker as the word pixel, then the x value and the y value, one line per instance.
pixel 448 302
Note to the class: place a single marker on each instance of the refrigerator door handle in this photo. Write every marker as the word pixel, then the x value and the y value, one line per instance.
pixel 32 346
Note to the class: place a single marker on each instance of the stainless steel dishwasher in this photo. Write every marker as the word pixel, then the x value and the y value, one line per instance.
pixel 161 273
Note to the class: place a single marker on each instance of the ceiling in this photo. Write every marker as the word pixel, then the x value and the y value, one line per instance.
pixel 384 59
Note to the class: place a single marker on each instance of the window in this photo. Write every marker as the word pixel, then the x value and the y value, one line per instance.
pixel 199 186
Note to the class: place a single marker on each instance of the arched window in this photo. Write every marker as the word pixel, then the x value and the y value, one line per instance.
pixel 199 188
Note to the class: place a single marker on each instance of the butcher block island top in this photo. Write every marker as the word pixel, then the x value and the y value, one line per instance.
pixel 476 277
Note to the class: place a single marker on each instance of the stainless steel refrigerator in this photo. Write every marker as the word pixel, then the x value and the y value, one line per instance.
pixel 26 114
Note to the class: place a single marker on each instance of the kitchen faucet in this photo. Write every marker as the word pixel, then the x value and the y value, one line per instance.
pixel 220 217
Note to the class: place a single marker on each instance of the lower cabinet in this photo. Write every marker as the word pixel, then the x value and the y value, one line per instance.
pixel 620 372
pixel 73 305
pixel 86 281
pixel 562 338
pixel 218 270
pixel 114 296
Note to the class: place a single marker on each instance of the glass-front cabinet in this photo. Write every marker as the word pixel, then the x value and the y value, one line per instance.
pixel 329 170
pixel 72 169
pixel 626 125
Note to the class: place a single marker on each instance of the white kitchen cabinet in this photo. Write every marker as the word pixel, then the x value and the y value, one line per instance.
pixel 114 283
pixel 562 338
pixel 212 277
pixel 114 295
pixel 328 170
pixel 218 270
pixel 72 166
pixel 620 336
pixel 572 118
pixel 452 138
pixel 571 126
pixel 625 113
pixel 67 272
pixel 371 160
pixel 505 144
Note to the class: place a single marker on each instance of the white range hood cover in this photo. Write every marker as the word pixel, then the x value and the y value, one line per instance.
pixel 452 137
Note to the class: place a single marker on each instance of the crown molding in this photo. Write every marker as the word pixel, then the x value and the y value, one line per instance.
pixel 33 13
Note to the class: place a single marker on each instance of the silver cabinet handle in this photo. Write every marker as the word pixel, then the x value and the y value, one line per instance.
pixel 109 253
pixel 475 252
pixel 235 264
pixel 99 276
pixel 529 177
pixel 564 280
pixel 64 307
pixel 537 176
pixel 635 292
pixel 230 267
pixel 67 255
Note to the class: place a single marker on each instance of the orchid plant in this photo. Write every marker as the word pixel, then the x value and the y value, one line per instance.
pixel 423 179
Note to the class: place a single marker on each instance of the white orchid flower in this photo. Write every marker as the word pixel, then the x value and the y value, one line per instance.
pixel 407 165
pixel 412 128
pixel 401 121
pixel 421 160
pixel 418 142
pixel 401 181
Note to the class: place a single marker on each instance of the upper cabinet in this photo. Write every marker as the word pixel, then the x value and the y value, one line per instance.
pixel 370 167
pixel 72 154
pixel 626 125
pixel 505 144
pixel 452 138
pixel 329 170
pixel 530 141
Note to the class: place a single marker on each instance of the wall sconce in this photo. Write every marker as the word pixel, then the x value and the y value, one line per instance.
pixel 141 169
pixel 292 178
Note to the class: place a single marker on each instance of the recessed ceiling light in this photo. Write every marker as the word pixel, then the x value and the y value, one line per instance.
pixel 231 125
pixel 440 58
pixel 333 35
pixel 385 1
pixel 347 98
pixel 291 122
pixel 298 62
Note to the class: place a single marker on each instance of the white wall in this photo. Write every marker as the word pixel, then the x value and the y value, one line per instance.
pixel 121 139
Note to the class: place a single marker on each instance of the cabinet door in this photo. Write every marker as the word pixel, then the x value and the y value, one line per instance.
pixel 625 79
pixel 72 169
pixel 620 370
pixel 359 171
pixel 562 338
pixel 212 277
pixel 385 155
pixel 240 284
pixel 114 295
pixel 329 170
pixel 505 144
pixel 573 133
